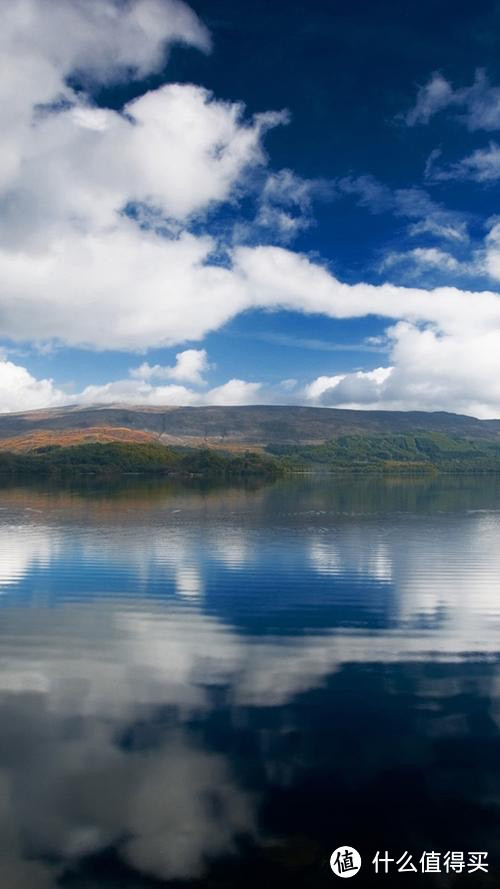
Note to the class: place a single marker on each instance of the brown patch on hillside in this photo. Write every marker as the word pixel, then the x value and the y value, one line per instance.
pixel 41 438
pixel 67 438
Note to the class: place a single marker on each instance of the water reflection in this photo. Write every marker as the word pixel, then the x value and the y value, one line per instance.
pixel 220 685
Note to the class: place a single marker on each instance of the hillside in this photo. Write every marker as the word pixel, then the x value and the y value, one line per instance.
pixel 403 452
pixel 266 440
pixel 121 458
pixel 36 439
pixel 227 428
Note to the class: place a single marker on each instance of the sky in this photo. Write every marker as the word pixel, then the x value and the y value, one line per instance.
pixel 250 202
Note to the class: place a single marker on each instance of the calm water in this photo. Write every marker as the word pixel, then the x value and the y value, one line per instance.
pixel 218 687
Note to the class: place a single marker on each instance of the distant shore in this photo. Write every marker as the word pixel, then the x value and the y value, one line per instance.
pixel 415 454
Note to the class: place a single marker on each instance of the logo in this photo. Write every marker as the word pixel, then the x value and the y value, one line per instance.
pixel 345 861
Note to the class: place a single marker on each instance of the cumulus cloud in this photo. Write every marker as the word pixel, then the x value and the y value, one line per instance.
pixel 97 243
pixel 175 149
pixel 360 387
pixel 189 367
pixel 131 391
pixel 103 38
pixel 234 392
pixel 292 281
pixel 315 390
pixel 103 41
pixel 202 296
pixel 136 392
pixel 79 183
pixel 445 351
pixel 429 371
pixel 20 391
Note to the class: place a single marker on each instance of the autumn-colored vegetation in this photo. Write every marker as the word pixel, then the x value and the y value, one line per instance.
pixel 42 438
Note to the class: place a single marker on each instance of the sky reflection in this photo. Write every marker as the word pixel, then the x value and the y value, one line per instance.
pixel 140 655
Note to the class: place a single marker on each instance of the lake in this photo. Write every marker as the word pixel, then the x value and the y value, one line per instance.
pixel 209 686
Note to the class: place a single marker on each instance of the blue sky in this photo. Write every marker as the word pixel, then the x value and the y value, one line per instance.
pixel 234 202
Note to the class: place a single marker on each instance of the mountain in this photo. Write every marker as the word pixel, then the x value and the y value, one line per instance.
pixel 252 427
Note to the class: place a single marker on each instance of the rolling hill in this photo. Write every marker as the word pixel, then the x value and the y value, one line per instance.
pixel 227 428
pixel 244 440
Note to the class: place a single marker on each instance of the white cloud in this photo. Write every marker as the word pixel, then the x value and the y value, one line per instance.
pixel 175 149
pixel 479 103
pixel 421 260
pixel 102 38
pixel 479 107
pixel 96 205
pixel 428 256
pixel 429 371
pixel 20 391
pixel 445 353
pixel 189 367
pixel 492 254
pixel 315 390
pixel 292 281
pixel 454 231
pixel 42 43
pixel 360 387
pixel 77 183
pixel 134 391
pixel 286 203
pixel 482 103
pixel 482 165
pixel 434 96
pixel 288 385
pixel 234 392
pixel 183 296
pixel 409 203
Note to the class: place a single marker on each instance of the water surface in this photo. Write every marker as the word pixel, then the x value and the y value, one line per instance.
pixel 216 687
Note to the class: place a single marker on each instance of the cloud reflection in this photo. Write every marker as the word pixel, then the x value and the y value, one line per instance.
pixel 100 695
